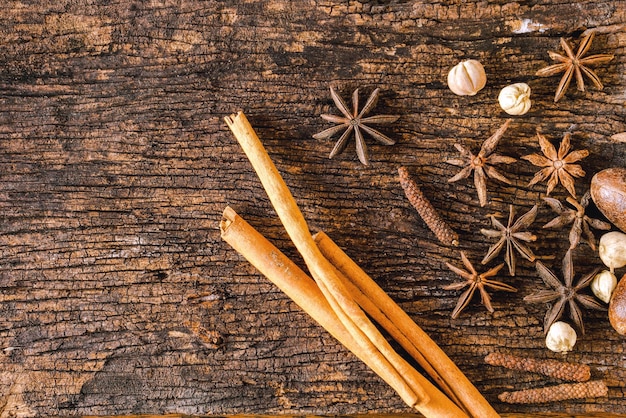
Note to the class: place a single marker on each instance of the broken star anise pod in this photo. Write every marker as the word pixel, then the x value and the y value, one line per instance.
pixel 354 121
pixel 482 163
pixel 558 166
pixel 581 223
pixel 564 294
pixel 474 281
pixel 574 65
pixel 513 235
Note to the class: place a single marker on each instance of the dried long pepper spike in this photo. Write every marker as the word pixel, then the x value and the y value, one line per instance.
pixel 435 223
pixel 548 367
pixel 563 392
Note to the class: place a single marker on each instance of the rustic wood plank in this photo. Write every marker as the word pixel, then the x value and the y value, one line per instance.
pixel 407 415
pixel 117 294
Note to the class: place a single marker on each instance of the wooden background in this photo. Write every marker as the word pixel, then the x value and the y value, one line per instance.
pixel 117 295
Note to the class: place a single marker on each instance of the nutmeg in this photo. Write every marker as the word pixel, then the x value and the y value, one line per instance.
pixel 608 191
pixel 467 78
pixel 617 307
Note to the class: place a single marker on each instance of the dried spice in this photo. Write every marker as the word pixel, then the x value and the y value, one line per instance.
pixel 437 225
pixel 355 121
pixel 608 192
pixel 574 65
pixel 561 337
pixel 467 78
pixel 513 236
pixel 565 391
pixel 581 223
pixel 338 308
pixel 563 294
pixel 548 367
pixel 612 250
pixel 617 307
pixel 482 163
pixel 558 166
pixel 603 285
pixel 474 281
pixel 515 99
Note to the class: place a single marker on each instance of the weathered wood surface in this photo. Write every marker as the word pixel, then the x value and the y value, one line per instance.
pixel 117 295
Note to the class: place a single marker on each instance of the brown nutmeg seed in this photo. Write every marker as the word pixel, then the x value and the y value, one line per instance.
pixel 617 307
pixel 608 191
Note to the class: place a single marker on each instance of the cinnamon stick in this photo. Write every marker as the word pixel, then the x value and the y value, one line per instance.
pixel 348 311
pixel 296 284
pixel 413 339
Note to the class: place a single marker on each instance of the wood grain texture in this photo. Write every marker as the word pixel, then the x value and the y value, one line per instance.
pixel 117 295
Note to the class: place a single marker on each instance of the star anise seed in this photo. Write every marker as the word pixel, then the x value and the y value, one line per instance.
pixel 355 121
pixel 513 236
pixel 563 294
pixel 474 281
pixel 581 223
pixel 558 166
pixel 482 163
pixel 574 65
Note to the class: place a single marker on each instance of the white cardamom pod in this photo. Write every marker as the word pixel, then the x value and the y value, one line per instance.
pixel 561 337
pixel 612 250
pixel 467 78
pixel 603 285
pixel 515 99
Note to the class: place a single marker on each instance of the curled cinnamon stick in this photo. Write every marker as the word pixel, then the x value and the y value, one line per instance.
pixel 347 310
pixel 412 338
pixel 296 284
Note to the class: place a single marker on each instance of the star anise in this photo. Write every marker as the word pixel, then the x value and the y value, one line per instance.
pixel 557 166
pixel 581 223
pixel 475 281
pixel 513 235
pixel 482 163
pixel 574 65
pixel 563 294
pixel 355 121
